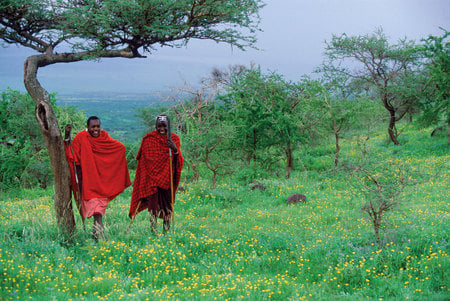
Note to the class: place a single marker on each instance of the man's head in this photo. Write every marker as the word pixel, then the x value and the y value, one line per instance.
pixel 93 126
pixel 162 124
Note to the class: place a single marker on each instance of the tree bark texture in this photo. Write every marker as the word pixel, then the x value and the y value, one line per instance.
pixel 336 157
pixel 51 133
pixel 289 160
pixel 391 128
pixel 392 120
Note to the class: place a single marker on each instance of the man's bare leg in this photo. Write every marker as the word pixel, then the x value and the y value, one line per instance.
pixel 166 226
pixel 97 230
pixel 153 224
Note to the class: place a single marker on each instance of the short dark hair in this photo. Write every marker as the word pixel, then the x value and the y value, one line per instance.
pixel 92 118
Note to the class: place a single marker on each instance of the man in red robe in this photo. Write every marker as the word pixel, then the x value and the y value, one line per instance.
pixel 102 170
pixel 152 188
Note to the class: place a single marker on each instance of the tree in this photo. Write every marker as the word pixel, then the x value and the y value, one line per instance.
pixel 262 108
pixel 435 105
pixel 387 71
pixel 198 115
pixel 382 186
pixel 340 113
pixel 65 31
pixel 343 109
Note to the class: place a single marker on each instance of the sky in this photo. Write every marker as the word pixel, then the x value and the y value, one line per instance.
pixel 291 43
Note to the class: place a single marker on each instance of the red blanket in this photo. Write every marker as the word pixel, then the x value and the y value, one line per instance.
pixel 103 165
pixel 153 168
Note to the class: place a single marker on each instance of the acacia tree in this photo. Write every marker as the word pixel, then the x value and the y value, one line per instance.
pixel 371 62
pixel 340 113
pixel 262 109
pixel 65 31
pixel 436 103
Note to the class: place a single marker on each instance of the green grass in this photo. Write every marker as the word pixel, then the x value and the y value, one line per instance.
pixel 234 243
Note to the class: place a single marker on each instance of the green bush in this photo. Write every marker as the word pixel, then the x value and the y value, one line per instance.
pixel 132 149
pixel 251 173
pixel 38 172
pixel 25 162
pixel 11 166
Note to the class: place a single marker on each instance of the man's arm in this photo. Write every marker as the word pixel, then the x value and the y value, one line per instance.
pixel 67 131
pixel 68 145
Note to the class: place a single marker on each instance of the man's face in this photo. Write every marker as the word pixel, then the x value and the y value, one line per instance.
pixel 94 127
pixel 161 127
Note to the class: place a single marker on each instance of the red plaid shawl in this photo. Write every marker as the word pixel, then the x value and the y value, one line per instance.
pixel 153 168
pixel 103 165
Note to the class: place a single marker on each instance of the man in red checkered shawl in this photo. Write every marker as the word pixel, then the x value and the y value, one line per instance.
pixel 151 188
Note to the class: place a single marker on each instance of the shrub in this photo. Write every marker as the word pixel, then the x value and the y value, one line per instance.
pixel 25 160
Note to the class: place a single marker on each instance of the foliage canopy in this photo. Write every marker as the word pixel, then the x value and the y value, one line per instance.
pixel 436 104
pixel 388 72
pixel 98 28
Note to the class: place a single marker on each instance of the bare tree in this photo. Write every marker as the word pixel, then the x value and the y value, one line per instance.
pixel 197 114
pixel 382 197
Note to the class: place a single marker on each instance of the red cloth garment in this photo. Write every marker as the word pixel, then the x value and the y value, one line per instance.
pixel 159 204
pixel 94 206
pixel 153 169
pixel 103 165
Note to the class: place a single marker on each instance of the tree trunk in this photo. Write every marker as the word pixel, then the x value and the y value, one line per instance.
pixel 391 128
pixel 376 228
pixel 213 180
pixel 52 136
pixel 392 119
pixel 336 157
pixel 289 160
pixel 195 174
pixel 336 130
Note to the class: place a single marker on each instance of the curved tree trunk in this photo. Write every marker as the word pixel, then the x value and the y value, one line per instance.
pixel 392 119
pixel 52 136
pixel 391 128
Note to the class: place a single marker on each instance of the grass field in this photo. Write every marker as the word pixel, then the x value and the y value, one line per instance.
pixel 235 243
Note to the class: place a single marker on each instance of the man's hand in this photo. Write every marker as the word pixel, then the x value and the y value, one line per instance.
pixel 172 145
pixel 67 131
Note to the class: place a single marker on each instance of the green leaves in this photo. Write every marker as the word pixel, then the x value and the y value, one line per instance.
pixel 436 105
pixel 378 69
pixel 97 26
pixel 29 23
pixel 25 159
pixel 259 106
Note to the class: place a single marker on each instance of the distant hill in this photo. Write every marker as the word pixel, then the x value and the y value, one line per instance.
pixel 116 111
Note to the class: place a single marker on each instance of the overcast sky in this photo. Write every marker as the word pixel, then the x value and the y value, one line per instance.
pixel 291 43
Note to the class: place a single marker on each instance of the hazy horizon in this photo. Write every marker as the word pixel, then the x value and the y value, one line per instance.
pixel 291 43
